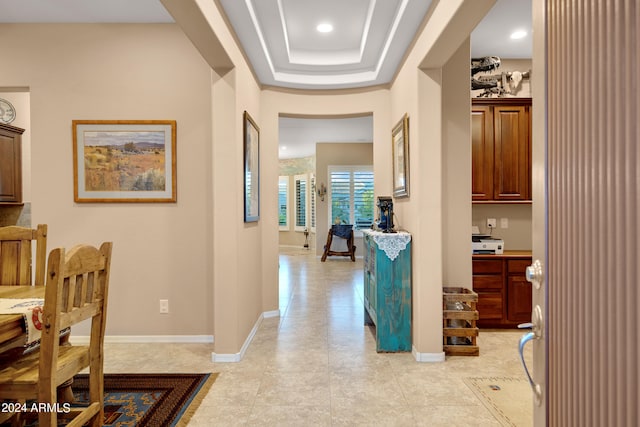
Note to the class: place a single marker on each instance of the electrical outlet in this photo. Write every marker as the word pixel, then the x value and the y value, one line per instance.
pixel 492 223
pixel 504 222
pixel 164 306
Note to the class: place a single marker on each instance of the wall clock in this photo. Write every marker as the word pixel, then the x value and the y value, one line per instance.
pixel 7 112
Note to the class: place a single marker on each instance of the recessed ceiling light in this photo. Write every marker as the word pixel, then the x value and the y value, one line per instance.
pixel 518 34
pixel 324 27
pixel 283 148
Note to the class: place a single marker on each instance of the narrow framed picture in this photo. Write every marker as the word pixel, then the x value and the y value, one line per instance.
pixel 400 156
pixel 251 169
pixel 132 161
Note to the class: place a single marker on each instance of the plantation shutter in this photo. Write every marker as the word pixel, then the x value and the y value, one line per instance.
pixel 341 197
pixel 283 186
pixel 301 203
pixel 313 203
pixel 352 196
pixel 363 199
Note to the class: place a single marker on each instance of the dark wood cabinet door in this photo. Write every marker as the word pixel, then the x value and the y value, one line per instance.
pixel 512 170
pixel 504 295
pixel 489 306
pixel 519 299
pixel 482 153
pixel 10 164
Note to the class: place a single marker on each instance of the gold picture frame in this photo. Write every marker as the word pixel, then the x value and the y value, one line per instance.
pixel 124 161
pixel 400 157
pixel 251 176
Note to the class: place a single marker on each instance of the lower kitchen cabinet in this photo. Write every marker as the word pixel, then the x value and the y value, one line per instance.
pixel 504 295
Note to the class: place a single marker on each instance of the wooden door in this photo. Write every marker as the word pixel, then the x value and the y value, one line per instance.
pixel 593 202
pixel 481 152
pixel 511 153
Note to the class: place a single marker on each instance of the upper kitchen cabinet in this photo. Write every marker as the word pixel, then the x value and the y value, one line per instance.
pixel 501 150
pixel 10 164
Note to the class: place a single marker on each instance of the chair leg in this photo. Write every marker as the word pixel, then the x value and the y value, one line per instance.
pixel 327 247
pixel 352 249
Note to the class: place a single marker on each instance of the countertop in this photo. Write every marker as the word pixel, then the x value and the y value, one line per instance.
pixel 506 254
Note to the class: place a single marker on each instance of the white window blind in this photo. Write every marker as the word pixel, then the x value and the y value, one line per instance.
pixel 301 202
pixel 283 202
pixel 352 195
pixel 313 203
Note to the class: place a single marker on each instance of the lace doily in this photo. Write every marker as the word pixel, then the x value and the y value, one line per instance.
pixel 391 243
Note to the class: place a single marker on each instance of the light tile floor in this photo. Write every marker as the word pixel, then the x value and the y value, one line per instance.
pixel 316 365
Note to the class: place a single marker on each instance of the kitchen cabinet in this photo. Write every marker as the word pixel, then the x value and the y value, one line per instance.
pixel 387 288
pixel 501 150
pixel 10 164
pixel 504 295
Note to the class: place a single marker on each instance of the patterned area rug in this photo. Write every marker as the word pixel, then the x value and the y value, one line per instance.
pixel 144 399
pixel 149 399
pixel 510 400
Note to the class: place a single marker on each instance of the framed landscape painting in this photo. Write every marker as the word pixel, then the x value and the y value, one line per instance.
pixel 251 169
pixel 124 161
pixel 400 147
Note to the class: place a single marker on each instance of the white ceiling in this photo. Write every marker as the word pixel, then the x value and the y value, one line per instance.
pixel 369 41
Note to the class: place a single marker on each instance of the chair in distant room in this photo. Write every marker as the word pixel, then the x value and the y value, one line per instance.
pixel 76 290
pixel 343 231
pixel 16 259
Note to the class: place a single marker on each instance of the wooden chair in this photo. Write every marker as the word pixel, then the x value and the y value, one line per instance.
pixel 344 231
pixel 76 290
pixel 16 255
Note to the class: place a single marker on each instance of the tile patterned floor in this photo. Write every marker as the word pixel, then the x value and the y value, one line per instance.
pixel 316 365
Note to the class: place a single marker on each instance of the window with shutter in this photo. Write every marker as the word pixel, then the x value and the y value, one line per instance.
pixel 283 202
pixel 351 194
pixel 312 203
pixel 301 202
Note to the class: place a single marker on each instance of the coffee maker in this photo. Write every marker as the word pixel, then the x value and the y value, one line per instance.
pixel 385 214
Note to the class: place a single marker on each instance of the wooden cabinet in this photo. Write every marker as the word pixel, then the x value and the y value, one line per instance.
pixel 387 289
pixel 10 164
pixel 501 149
pixel 504 295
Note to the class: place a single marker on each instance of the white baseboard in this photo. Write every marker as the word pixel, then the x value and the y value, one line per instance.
pixel 136 339
pixel 269 314
pixel 427 357
pixel 237 357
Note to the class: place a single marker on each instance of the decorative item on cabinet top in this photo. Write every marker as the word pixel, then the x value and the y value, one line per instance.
pixel 7 111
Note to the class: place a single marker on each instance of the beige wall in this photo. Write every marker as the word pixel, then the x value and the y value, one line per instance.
pixel 518 235
pixel 421 90
pixel 120 72
pixel 195 252
pixel 334 104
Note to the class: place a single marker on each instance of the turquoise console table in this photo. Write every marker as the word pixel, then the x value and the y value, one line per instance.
pixel 387 288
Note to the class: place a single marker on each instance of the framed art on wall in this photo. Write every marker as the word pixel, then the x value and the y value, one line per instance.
pixel 251 169
pixel 400 157
pixel 124 161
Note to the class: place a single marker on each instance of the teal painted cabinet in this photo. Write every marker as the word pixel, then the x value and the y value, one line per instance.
pixel 387 288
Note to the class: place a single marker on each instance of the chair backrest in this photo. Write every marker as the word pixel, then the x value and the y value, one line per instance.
pixel 16 255
pixel 76 290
